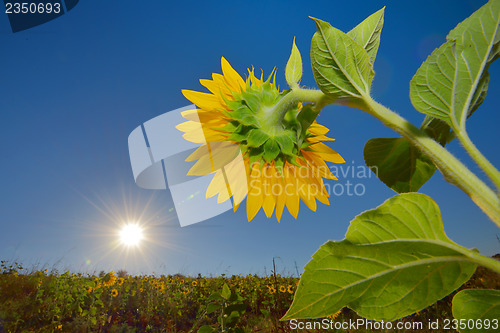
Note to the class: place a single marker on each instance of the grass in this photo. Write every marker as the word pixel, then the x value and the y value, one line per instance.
pixel 42 301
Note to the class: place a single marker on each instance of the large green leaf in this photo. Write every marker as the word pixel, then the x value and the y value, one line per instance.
pixel 341 66
pixel 398 164
pixel 474 307
pixel 367 33
pixel 452 82
pixel 395 260
pixel 293 70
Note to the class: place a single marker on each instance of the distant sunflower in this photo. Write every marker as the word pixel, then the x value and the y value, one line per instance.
pixel 114 292
pixel 274 160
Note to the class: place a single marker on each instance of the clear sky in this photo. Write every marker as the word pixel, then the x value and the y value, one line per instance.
pixel 74 88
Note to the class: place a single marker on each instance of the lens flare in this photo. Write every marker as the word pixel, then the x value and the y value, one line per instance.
pixel 131 235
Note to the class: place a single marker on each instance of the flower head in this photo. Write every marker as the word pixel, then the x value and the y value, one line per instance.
pixel 259 144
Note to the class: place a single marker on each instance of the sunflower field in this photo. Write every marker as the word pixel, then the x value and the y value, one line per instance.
pixel 44 301
pixel 48 301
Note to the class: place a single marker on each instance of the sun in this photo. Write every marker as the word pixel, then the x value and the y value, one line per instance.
pixel 131 235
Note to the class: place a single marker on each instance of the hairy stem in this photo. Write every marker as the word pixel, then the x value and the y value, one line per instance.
pixel 479 259
pixel 453 170
pixel 290 100
pixel 479 158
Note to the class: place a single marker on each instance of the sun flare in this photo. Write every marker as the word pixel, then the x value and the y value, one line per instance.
pixel 131 235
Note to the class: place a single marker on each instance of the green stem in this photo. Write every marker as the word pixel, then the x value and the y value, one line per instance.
pixel 453 170
pixel 479 158
pixel 479 259
pixel 290 100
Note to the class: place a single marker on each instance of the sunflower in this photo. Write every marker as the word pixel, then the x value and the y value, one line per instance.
pixel 271 289
pixel 274 159
pixel 114 292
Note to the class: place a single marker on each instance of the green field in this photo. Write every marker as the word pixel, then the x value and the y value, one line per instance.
pixel 49 301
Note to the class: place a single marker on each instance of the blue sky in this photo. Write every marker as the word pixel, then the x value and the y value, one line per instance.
pixel 74 88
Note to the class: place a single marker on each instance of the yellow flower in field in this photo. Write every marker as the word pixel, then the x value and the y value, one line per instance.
pixel 90 289
pixel 146 279
pixel 114 292
pixel 272 155
pixel 141 290
pixel 335 315
pixel 109 279
pixel 120 281
pixel 194 283
pixel 283 289
pixel 290 291
pixel 271 289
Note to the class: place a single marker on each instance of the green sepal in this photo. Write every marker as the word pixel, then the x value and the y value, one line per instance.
pixel 245 116
pixel 254 155
pixel 235 136
pixel 271 150
pixel 256 138
pixel 285 143
pixel 233 105
pixel 230 127
pixel 252 101
pixel 279 164
pixel 243 149
pixel 293 160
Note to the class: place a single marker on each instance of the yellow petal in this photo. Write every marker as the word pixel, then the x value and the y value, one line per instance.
pixel 327 153
pixel 292 197
pixel 277 190
pixel 203 100
pixel 216 185
pixel 269 203
pixel 318 164
pixel 319 138
pixel 196 136
pixel 237 178
pixel 191 115
pixel 233 79
pixel 188 126
pixel 318 129
pixel 254 197
pixel 198 153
